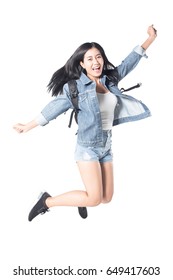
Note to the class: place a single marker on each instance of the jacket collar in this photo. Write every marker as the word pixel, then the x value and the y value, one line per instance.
pixel 85 80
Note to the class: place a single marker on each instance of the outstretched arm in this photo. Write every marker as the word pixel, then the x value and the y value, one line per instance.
pixel 22 128
pixel 152 32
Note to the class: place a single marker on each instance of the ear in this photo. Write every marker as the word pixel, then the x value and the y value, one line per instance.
pixel 82 64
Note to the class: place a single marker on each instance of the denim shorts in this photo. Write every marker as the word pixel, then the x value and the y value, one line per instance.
pixel 101 154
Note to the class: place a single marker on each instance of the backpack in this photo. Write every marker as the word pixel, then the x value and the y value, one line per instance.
pixel 74 98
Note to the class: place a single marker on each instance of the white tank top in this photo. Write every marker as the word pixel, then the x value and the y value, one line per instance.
pixel 107 103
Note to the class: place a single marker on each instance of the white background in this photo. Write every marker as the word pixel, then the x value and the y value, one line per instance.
pixel 37 37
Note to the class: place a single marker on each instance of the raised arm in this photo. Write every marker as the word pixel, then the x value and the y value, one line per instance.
pixel 152 32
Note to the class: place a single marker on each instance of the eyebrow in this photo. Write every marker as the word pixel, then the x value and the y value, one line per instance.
pixel 92 55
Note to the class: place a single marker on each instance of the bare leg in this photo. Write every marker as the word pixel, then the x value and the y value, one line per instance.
pixel 91 174
pixel 98 181
pixel 108 181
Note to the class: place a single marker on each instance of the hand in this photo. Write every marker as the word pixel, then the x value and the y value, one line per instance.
pixel 152 32
pixel 20 127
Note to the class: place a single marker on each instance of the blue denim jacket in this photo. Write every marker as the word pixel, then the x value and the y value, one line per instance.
pixel 90 131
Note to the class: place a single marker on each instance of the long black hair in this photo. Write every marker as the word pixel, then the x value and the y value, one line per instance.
pixel 72 69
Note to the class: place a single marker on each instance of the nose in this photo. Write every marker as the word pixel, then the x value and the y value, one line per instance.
pixel 95 61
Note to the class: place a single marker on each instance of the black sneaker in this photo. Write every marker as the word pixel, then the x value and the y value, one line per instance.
pixel 40 207
pixel 83 212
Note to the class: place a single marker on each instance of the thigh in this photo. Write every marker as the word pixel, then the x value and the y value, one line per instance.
pixel 91 174
pixel 107 180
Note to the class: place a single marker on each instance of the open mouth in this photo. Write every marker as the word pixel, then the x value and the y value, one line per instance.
pixel 97 68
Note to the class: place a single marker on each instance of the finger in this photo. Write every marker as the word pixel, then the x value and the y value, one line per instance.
pixel 154 29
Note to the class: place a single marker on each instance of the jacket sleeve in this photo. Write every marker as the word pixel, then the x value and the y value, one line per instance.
pixel 131 61
pixel 54 108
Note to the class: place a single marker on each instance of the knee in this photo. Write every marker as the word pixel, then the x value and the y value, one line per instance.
pixel 107 198
pixel 95 201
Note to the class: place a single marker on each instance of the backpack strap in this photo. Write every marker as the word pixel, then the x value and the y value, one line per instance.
pixel 130 88
pixel 74 98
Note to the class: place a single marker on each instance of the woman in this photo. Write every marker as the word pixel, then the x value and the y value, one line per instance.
pixel 101 106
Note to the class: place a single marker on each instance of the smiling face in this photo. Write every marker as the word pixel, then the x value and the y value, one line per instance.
pixel 93 63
